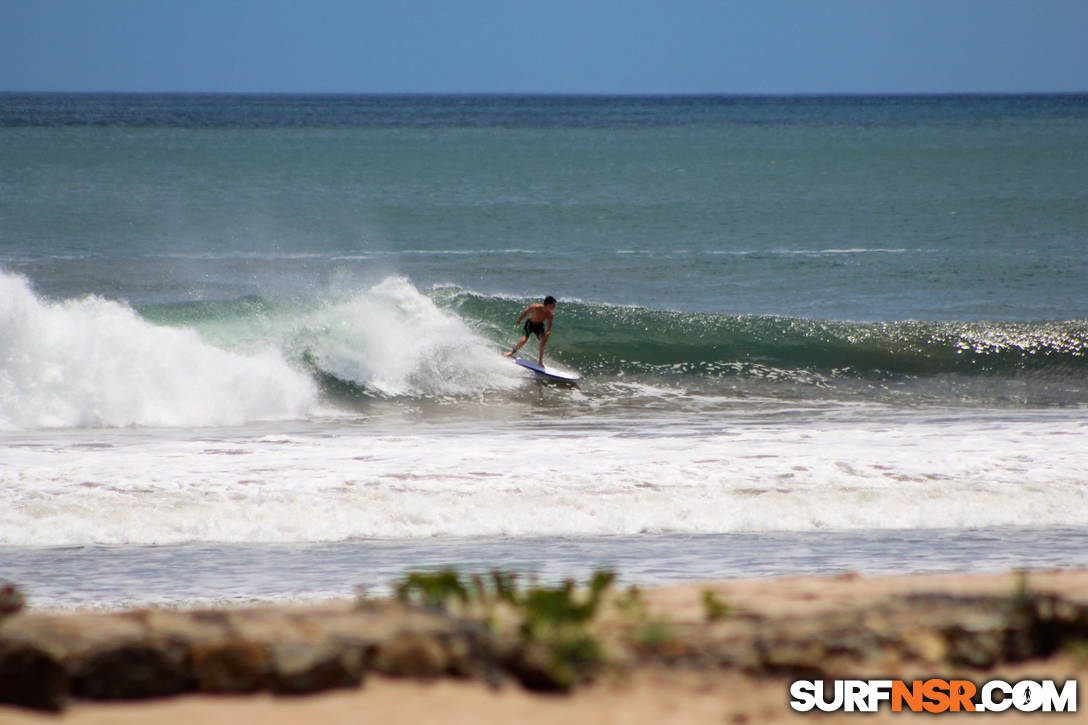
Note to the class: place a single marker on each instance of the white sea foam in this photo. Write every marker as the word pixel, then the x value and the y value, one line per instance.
pixel 553 481
pixel 93 362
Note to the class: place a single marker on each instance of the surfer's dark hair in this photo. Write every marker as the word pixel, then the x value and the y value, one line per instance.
pixel 549 300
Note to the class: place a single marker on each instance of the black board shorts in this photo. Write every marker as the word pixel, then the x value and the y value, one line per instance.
pixel 534 328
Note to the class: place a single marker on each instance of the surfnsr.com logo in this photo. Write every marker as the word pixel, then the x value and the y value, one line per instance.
pixel 933 695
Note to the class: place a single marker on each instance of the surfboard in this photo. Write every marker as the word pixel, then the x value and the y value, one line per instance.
pixel 548 373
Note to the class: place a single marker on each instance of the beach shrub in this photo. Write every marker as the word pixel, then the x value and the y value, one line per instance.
pixel 714 608
pixel 434 590
pixel 555 649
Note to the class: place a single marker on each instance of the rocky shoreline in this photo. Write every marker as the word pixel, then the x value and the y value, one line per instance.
pixel 843 627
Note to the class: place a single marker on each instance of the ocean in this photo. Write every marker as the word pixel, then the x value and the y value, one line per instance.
pixel 250 346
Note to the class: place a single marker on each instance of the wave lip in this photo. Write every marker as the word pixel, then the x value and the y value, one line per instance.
pixel 93 362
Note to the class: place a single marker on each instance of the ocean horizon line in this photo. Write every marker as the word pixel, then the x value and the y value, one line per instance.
pixel 557 94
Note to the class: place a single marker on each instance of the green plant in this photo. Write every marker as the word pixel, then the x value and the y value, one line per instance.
pixel 713 607
pixel 654 636
pixel 558 650
pixel 432 589
pixel 1076 650
pixel 555 620
pixel 543 607
pixel 631 603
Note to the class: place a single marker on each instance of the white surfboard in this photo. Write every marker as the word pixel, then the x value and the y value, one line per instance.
pixel 549 373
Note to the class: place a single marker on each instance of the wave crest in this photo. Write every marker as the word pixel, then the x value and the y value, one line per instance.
pixel 93 362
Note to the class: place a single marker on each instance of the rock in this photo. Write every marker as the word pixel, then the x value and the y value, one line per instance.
pixel 106 656
pixel 11 599
pixel 73 638
pixel 535 667
pixel 462 658
pixel 736 652
pixel 31 677
pixel 974 649
pixel 300 667
pixel 928 646
pixel 475 652
pixel 128 671
pixel 183 629
pixel 800 656
pixel 411 654
pixel 228 666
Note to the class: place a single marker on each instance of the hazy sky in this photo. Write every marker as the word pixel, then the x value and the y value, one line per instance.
pixel 552 46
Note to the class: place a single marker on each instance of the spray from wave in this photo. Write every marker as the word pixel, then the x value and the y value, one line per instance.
pixel 393 341
pixel 92 362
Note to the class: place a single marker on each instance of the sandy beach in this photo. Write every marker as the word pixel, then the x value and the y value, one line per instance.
pixel 734 669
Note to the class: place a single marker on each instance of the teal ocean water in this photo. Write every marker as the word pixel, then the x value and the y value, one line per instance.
pixel 236 328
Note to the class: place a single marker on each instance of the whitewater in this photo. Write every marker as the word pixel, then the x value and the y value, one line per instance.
pixel 314 484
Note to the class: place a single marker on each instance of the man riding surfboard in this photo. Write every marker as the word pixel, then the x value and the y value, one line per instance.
pixel 539 314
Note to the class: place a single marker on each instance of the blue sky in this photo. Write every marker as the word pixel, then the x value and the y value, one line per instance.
pixel 558 46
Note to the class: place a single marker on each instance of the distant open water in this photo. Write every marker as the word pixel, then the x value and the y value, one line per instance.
pixel 249 344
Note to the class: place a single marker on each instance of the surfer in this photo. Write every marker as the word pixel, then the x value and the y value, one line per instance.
pixel 538 314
